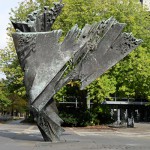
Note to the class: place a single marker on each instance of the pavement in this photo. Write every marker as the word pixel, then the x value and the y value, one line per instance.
pixel 16 136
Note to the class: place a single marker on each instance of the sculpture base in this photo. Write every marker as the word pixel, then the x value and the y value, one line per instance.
pixel 49 123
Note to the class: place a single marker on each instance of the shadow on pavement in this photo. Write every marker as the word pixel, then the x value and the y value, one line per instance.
pixel 21 136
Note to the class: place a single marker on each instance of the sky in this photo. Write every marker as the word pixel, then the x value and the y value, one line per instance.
pixel 5 7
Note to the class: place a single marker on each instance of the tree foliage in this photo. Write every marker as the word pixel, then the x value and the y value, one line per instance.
pixel 101 88
pixel 4 101
pixel 130 77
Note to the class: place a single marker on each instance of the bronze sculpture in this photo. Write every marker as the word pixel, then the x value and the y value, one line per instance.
pixel 91 51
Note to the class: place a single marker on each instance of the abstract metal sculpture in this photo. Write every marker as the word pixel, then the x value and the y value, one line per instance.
pixel 91 51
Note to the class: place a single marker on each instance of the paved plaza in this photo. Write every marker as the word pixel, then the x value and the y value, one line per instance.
pixel 16 136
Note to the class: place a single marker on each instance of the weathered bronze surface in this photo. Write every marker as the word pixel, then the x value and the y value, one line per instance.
pixel 92 51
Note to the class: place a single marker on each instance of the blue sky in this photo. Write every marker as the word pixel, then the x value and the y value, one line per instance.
pixel 5 7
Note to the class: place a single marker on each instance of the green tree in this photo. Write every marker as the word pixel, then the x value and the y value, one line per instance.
pixel 101 88
pixel 4 100
pixel 132 74
pixel 130 77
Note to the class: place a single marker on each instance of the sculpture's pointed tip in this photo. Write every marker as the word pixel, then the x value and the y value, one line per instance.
pixel 139 41
pixel 12 22
pixel 82 87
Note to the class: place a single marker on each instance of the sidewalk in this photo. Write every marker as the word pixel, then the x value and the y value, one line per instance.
pixel 27 137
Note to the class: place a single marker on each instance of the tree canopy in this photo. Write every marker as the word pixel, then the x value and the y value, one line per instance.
pixel 129 78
